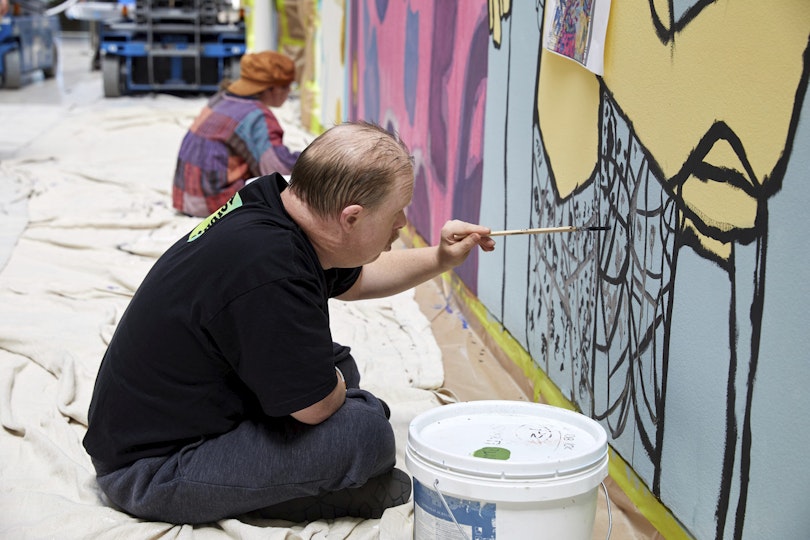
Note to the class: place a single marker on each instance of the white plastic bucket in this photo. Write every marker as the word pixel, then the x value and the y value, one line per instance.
pixel 505 469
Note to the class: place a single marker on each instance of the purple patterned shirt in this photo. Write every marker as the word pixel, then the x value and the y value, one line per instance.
pixel 233 139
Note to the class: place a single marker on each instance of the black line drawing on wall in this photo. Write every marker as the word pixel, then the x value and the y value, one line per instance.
pixel 599 308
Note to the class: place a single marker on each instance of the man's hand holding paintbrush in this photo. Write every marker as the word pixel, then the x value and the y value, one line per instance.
pixel 459 238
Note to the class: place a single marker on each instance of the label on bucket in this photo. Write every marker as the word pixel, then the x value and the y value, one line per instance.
pixel 432 522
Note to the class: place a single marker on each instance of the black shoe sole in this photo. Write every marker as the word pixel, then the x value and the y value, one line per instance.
pixel 368 501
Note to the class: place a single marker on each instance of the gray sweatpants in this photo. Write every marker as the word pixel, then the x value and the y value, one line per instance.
pixel 260 464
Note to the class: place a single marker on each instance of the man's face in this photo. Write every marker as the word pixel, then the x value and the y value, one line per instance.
pixel 379 227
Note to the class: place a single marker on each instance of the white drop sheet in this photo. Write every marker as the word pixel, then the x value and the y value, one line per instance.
pixel 96 181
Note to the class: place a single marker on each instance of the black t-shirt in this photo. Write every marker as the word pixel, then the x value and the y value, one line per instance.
pixel 232 322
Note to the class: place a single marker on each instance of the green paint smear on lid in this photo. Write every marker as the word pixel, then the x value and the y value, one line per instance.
pixel 493 452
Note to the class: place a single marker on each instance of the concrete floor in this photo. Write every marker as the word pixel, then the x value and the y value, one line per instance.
pixel 29 111
pixel 74 83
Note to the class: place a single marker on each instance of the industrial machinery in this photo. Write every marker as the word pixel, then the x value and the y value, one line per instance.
pixel 172 46
pixel 28 42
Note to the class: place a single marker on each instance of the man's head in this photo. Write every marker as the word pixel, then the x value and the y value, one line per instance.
pixel 361 176
pixel 263 70
pixel 352 163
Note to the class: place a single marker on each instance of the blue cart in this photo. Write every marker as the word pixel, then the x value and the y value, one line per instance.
pixel 172 46
pixel 28 42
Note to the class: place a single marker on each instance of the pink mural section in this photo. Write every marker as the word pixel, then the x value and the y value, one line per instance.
pixel 419 68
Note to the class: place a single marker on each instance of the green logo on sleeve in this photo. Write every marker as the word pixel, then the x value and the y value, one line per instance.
pixel 234 203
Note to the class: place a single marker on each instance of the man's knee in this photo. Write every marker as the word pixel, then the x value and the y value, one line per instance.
pixel 371 446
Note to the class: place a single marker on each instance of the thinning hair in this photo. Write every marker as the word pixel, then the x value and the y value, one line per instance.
pixel 351 163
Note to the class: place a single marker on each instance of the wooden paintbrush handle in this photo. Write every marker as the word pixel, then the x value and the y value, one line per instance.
pixel 541 230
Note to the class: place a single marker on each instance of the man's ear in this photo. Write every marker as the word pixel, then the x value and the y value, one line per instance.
pixel 350 217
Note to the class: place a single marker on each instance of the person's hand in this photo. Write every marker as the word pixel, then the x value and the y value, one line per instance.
pixel 459 238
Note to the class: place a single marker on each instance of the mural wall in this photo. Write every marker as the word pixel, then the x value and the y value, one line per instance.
pixel 682 329
pixel 323 77
pixel 419 68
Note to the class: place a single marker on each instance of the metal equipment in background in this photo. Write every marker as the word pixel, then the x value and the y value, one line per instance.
pixel 172 46
pixel 28 42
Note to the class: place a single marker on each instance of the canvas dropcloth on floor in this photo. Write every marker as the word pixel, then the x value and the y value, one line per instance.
pixel 97 184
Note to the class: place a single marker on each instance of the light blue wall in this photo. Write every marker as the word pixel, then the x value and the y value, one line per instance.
pixel 642 327
pixel 711 413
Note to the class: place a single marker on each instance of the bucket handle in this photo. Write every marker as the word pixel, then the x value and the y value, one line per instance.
pixel 610 512
pixel 447 507
pixel 465 537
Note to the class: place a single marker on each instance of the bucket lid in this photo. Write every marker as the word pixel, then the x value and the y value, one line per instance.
pixel 508 439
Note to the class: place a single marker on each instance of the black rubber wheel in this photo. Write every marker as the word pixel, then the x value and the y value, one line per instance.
pixel 12 74
pixel 50 71
pixel 112 76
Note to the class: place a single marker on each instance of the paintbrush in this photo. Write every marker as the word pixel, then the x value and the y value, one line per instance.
pixel 547 230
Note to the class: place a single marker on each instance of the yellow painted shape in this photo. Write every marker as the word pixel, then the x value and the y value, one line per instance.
pixel 285 37
pixel 720 205
pixel 314 125
pixel 711 245
pixel 355 80
pixel 738 61
pixel 568 113
pixel 497 10
pixel 249 30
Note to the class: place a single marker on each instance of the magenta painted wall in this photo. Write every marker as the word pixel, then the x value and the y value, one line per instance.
pixel 419 68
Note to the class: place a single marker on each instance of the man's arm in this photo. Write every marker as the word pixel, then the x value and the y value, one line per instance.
pixel 318 412
pixel 399 270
